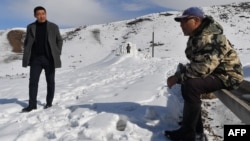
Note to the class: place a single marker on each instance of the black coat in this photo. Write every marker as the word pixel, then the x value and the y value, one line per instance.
pixel 55 43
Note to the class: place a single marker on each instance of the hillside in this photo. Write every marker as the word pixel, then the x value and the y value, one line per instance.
pixel 139 32
pixel 102 93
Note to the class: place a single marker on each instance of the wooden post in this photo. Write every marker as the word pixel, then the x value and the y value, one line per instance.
pixel 236 101
pixel 153 44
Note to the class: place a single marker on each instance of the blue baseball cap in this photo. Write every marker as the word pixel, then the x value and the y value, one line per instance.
pixel 192 11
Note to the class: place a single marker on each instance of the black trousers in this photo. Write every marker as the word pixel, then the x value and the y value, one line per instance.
pixel 37 64
pixel 193 88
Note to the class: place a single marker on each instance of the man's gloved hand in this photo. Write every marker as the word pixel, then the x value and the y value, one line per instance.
pixel 172 80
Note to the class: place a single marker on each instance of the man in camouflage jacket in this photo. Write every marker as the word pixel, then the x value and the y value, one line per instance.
pixel 213 65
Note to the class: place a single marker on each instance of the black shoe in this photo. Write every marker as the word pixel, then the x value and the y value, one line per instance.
pixel 180 135
pixel 175 135
pixel 28 109
pixel 201 137
pixel 47 106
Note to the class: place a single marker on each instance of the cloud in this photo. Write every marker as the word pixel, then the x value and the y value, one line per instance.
pixel 65 12
pixel 75 13
pixel 79 12
pixel 136 5
pixel 133 7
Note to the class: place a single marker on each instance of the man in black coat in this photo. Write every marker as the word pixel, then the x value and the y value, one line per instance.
pixel 42 50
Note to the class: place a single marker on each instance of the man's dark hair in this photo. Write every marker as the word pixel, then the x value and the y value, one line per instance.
pixel 39 8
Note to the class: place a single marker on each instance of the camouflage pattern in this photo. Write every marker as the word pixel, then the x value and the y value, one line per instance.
pixel 210 53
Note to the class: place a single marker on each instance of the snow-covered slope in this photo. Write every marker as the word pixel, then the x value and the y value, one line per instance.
pixel 104 94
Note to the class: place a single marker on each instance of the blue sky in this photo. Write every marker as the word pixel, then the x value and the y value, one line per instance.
pixel 74 13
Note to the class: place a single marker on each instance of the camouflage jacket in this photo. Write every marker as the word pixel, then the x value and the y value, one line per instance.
pixel 210 53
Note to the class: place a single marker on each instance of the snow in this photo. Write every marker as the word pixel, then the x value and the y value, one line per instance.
pixel 104 94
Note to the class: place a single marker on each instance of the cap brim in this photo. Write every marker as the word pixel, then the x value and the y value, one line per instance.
pixel 179 18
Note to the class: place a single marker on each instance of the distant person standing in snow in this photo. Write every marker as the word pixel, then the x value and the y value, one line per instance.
pixel 128 48
pixel 42 50
pixel 213 65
